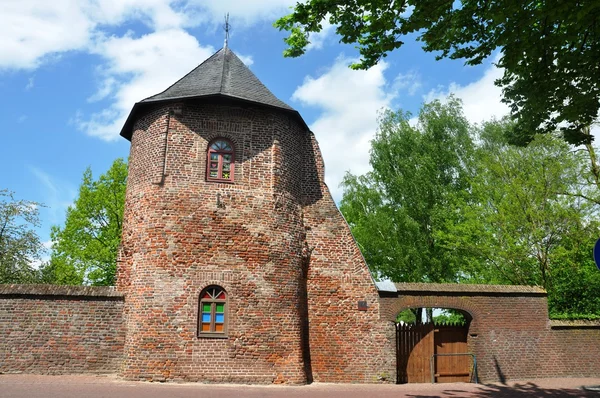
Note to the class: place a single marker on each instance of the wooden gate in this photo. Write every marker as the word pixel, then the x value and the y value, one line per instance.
pixel 416 345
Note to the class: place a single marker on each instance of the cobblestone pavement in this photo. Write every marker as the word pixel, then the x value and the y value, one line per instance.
pixel 34 386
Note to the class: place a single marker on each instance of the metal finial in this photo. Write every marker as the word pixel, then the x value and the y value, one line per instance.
pixel 227 27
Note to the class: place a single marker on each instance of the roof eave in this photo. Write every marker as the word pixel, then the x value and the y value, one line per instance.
pixel 127 130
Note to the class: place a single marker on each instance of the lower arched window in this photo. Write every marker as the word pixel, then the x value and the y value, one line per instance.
pixel 212 312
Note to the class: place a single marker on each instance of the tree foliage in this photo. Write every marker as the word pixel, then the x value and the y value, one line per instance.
pixel 446 201
pixel 396 210
pixel 550 51
pixel 20 245
pixel 85 249
pixel 523 206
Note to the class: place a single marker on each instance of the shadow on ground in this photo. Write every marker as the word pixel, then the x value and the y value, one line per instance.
pixel 529 390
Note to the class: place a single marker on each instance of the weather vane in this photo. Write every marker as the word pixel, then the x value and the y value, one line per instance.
pixel 227 27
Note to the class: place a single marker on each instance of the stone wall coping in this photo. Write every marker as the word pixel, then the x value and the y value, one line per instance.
pixel 574 323
pixel 60 290
pixel 467 288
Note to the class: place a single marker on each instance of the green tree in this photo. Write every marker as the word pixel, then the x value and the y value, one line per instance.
pixel 396 210
pixel 527 222
pixel 85 249
pixel 450 317
pixel 20 245
pixel 550 51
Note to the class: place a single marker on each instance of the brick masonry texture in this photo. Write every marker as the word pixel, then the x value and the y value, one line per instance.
pixel 273 239
pixel 510 332
pixel 60 329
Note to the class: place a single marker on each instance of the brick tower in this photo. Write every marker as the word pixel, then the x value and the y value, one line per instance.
pixel 235 262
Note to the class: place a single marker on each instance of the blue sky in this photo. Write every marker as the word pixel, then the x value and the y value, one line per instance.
pixel 71 70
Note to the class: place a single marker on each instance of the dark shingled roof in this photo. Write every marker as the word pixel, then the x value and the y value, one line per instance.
pixel 225 74
pixel 222 75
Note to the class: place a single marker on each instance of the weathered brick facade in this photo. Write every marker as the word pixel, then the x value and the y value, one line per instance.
pixel 60 329
pixel 273 239
pixel 510 332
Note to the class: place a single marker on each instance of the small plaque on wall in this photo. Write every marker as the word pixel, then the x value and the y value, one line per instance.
pixel 362 305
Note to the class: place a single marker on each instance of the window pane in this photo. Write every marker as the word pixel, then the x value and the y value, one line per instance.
pixel 226 166
pixel 226 175
pixel 219 318
pixel 227 158
pixel 206 317
pixel 214 156
pixel 213 174
pixel 206 307
pixel 221 296
pixel 214 165
pixel 206 327
pixel 220 307
pixel 219 327
pixel 206 295
pixel 226 147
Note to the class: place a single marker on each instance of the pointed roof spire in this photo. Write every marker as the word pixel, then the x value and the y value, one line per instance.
pixel 226 27
pixel 222 75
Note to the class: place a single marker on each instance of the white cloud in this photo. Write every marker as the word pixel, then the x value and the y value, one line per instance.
pixel 481 99
pixel 318 39
pixel 409 82
pixel 158 14
pixel 246 59
pixel 58 195
pixel 349 101
pixel 137 68
pixel 30 84
pixel 33 29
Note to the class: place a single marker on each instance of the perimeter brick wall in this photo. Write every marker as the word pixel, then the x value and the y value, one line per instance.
pixel 510 332
pixel 48 329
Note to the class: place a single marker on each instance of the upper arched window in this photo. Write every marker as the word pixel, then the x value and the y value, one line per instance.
pixel 212 312
pixel 220 163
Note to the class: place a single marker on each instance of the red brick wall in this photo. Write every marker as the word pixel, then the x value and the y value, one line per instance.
pixel 273 239
pixel 60 330
pixel 347 345
pixel 510 332
pixel 184 234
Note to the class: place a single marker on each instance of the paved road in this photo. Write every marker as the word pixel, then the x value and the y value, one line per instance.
pixel 33 386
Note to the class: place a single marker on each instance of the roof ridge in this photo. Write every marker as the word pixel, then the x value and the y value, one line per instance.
pixel 225 49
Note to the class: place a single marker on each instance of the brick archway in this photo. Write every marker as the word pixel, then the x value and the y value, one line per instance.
pixel 392 308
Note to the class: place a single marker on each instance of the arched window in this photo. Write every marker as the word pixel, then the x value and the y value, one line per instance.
pixel 212 312
pixel 220 161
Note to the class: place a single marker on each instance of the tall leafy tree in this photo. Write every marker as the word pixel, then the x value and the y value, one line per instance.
pixel 527 222
pixel 550 51
pixel 20 245
pixel 396 210
pixel 85 249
